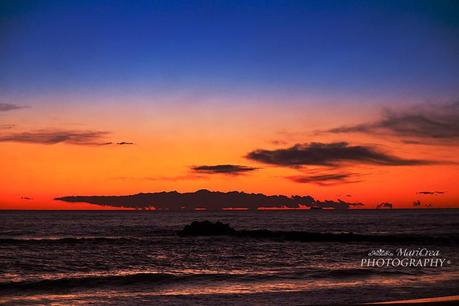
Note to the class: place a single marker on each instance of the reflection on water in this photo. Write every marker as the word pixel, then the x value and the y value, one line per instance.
pixel 225 287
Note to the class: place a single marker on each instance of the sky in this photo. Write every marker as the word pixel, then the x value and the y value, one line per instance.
pixel 351 100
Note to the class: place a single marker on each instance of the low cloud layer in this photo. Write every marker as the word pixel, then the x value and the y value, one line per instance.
pixel 222 169
pixel 428 124
pixel 384 205
pixel 329 154
pixel 57 136
pixel 5 107
pixel 324 179
pixel 430 192
pixel 205 199
pixel 419 204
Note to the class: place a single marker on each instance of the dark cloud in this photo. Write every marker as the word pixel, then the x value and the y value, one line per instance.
pixel 430 192
pixel 4 107
pixel 384 205
pixel 338 204
pixel 122 143
pixel 329 154
pixel 58 136
pixel 222 169
pixel 210 200
pixel 419 204
pixel 427 124
pixel 26 198
pixel 324 179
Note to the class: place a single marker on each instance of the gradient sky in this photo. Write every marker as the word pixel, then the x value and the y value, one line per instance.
pixel 204 83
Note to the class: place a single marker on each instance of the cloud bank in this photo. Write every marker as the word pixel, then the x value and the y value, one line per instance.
pixel 209 200
pixel 329 154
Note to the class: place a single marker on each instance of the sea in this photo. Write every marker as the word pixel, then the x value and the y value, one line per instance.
pixel 137 258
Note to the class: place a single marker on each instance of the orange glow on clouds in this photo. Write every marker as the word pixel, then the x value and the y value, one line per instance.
pixel 170 140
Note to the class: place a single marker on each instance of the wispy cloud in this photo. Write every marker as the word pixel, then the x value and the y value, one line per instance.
pixel 324 179
pixel 426 124
pixel 430 192
pixel 58 136
pixel 222 169
pixel 6 126
pixel 5 107
pixel 175 178
pixel 330 154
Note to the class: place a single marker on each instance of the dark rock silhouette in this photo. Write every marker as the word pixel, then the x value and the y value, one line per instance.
pixel 207 228
pixel 208 200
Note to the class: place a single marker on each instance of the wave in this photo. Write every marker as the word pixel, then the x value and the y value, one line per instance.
pixel 345 237
pixel 451 239
pixel 207 228
pixel 101 281
pixel 84 239
pixel 68 240
pixel 144 278
pixel 149 279
pixel 360 273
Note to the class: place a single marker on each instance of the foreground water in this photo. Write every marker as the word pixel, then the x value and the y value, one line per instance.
pixel 129 257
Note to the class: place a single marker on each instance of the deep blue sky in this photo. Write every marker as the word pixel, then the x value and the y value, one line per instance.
pixel 406 47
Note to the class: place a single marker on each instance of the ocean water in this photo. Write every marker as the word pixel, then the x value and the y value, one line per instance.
pixel 134 257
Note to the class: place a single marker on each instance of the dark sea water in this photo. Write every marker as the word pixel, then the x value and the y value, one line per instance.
pixel 131 257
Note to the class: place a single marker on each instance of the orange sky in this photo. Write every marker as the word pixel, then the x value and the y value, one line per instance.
pixel 170 140
pixel 368 91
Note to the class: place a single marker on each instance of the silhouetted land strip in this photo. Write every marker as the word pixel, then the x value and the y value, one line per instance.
pixel 207 228
pixel 208 200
